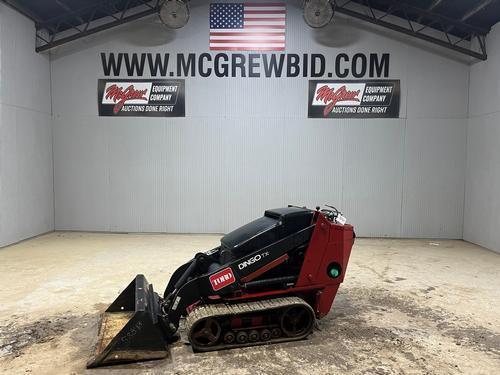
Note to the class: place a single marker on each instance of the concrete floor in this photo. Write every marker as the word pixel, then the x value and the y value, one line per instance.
pixel 406 307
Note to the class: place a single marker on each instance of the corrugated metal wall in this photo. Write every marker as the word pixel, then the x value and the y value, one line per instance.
pixel 26 188
pixel 247 145
pixel 482 199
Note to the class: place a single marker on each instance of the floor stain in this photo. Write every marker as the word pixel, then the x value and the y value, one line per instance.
pixel 428 290
pixel 465 332
pixel 17 336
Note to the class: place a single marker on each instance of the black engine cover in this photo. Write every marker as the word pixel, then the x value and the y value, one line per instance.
pixel 273 226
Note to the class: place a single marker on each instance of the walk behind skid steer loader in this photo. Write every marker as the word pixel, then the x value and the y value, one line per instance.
pixel 267 282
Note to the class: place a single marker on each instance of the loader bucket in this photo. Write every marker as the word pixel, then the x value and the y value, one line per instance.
pixel 130 329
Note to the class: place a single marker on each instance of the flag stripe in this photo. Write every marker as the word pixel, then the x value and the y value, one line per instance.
pixel 264 20
pixel 264 16
pixel 264 12
pixel 253 31
pixel 241 34
pixel 263 9
pixel 247 41
pixel 277 38
pixel 264 26
pixel 264 4
pixel 247 48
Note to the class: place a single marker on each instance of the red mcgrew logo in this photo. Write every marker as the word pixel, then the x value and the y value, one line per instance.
pixel 331 97
pixel 120 96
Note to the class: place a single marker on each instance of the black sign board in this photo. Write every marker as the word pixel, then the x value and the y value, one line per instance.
pixel 359 99
pixel 141 97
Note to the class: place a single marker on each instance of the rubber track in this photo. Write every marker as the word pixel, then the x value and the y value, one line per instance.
pixel 230 310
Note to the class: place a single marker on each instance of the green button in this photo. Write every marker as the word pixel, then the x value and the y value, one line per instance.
pixel 334 272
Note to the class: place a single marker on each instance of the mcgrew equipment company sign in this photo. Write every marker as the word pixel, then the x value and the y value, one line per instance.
pixel 138 97
pixel 363 99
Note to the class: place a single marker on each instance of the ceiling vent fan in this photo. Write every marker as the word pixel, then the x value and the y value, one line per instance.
pixel 174 13
pixel 318 13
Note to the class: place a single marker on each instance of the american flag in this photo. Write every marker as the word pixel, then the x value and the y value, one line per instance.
pixel 247 26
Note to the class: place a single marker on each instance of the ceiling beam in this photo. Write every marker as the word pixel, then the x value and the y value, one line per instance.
pixel 67 8
pixel 89 30
pixel 483 4
pixel 445 41
pixel 434 4
pixel 430 8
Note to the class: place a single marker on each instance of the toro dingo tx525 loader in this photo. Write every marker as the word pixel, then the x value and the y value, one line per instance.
pixel 267 282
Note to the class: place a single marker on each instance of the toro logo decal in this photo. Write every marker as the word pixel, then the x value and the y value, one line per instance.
pixel 222 279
